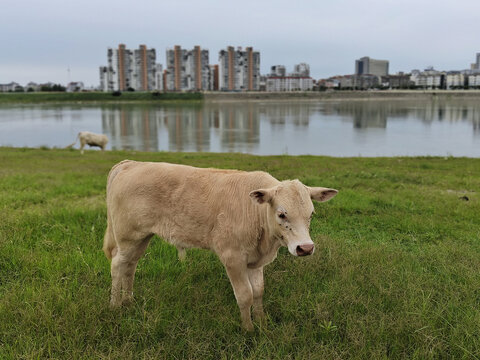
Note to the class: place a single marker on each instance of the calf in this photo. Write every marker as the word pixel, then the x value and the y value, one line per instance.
pixel 244 217
pixel 91 139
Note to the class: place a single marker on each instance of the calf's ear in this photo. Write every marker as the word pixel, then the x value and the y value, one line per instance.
pixel 262 195
pixel 322 194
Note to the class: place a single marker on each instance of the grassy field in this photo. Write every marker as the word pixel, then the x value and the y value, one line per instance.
pixel 396 273
pixel 55 97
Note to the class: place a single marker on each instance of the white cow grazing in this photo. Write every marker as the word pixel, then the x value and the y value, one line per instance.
pixel 244 217
pixel 91 139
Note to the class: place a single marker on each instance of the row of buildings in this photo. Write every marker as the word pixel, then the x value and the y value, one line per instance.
pixel 49 86
pixel 185 70
pixel 372 73
pixel 238 69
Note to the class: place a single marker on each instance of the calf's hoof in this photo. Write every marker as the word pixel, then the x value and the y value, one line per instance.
pixel 127 301
pixel 182 254
pixel 115 305
pixel 247 326
pixel 258 315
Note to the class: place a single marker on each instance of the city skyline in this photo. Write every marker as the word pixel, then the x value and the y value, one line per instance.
pixel 191 70
pixel 61 42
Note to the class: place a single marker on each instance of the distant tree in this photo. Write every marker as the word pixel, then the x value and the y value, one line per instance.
pixel 131 89
pixel 55 87
pixel 30 89
pixel 19 89
pixel 58 87
pixel 116 93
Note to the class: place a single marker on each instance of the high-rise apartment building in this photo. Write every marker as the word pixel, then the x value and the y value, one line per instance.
pixel 175 69
pixel 145 69
pixel 278 70
pixel 159 77
pixel 116 75
pixel 129 69
pixel 478 61
pixel 239 69
pixel 368 66
pixel 213 81
pixel 301 69
pixel 187 69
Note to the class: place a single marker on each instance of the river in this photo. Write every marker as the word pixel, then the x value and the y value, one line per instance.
pixel 437 127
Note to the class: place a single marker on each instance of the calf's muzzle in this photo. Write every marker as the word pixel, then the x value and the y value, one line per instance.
pixel 305 249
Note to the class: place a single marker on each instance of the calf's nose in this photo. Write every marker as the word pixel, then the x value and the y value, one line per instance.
pixel 304 250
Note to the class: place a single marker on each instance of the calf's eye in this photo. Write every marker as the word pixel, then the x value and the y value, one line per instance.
pixel 282 216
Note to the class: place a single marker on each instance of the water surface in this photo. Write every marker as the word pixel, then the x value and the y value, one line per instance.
pixel 335 128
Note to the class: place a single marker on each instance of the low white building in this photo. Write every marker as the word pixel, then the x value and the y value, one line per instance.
pixel 332 83
pixel 474 80
pixel 299 80
pixel 428 79
pixel 75 86
pixel 289 83
pixel 13 86
pixel 454 79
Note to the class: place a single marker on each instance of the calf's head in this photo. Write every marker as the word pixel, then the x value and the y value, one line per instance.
pixel 289 210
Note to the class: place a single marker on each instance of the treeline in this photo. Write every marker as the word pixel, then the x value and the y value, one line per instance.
pixel 59 96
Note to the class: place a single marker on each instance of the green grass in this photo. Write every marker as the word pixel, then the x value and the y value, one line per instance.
pixel 396 273
pixel 54 97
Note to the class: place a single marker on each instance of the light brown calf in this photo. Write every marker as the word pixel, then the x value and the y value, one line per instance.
pixel 91 139
pixel 244 217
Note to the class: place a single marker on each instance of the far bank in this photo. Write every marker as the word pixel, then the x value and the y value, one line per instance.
pixel 168 97
pixel 342 95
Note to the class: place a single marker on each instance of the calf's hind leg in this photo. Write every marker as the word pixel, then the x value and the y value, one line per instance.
pixel 82 145
pixel 123 267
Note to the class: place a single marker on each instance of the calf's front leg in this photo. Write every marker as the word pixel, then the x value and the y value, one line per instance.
pixel 242 288
pixel 256 281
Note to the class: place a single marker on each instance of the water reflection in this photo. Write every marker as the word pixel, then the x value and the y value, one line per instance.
pixel 191 128
pixel 374 114
pixel 280 114
pixel 131 128
pixel 338 128
pixel 236 126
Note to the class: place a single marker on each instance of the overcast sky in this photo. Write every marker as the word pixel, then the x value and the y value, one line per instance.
pixel 41 39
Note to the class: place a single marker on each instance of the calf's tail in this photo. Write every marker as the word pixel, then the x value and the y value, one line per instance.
pixel 109 245
pixel 69 146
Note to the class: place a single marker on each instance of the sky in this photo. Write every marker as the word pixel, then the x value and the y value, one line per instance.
pixel 67 40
